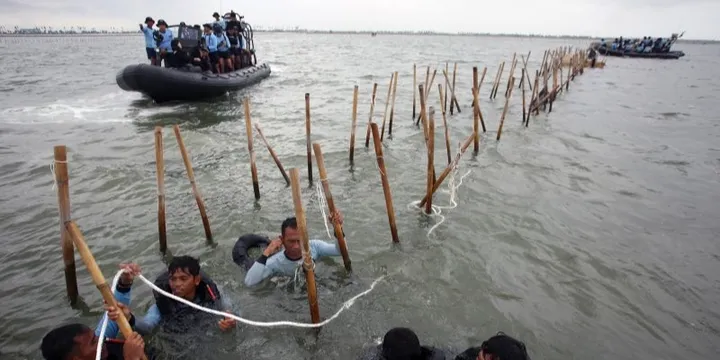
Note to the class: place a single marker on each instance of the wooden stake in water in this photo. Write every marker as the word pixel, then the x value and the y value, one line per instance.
pixel 272 154
pixel 191 177
pixel 444 99
pixel 251 151
pixel 423 111
pixel 427 92
pixel 392 105
pixel 331 206
pixel 447 131
pixel 453 85
pixel 453 99
pixel 63 194
pixel 307 137
pixel 522 85
pixel 370 117
pixel 387 105
pixel 354 124
pixel 507 103
pixel 449 168
pixel 160 171
pixel 97 276
pixel 512 73
pixel 414 87
pixel 431 159
pixel 476 130
pixel 305 242
pixel 385 182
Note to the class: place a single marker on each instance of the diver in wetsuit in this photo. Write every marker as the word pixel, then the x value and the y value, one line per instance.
pixel 402 344
pixel 183 279
pixel 77 342
pixel 498 347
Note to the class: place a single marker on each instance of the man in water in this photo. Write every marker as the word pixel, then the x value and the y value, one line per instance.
pixel 184 280
pixel 150 44
pixel 164 46
pixel 77 342
pixel 402 344
pixel 272 262
pixel 498 347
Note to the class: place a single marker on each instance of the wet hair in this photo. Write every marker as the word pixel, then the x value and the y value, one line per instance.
pixel 401 344
pixel 290 222
pixel 59 343
pixel 186 264
pixel 504 347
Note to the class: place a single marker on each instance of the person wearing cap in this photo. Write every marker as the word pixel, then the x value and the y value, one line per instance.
pixel 498 347
pixel 211 42
pixel 219 21
pixel 147 30
pixel 165 45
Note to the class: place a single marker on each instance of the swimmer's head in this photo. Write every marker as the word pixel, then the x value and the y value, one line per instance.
pixel 503 347
pixel 185 276
pixel 401 344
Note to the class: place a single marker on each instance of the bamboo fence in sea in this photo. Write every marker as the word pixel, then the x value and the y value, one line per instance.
pixel 555 63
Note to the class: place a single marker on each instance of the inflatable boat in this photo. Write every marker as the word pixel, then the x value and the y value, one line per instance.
pixel 167 84
pixel 634 54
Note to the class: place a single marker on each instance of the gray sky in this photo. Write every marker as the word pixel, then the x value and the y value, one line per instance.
pixel 579 17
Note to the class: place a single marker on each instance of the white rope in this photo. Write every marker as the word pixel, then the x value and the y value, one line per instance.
pixel 346 305
pixel 101 337
pixel 323 204
pixel 452 190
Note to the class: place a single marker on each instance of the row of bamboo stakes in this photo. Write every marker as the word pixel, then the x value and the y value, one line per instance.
pixel 553 63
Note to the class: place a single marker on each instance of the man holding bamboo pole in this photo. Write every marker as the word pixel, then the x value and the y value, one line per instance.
pixel 77 342
pixel 273 262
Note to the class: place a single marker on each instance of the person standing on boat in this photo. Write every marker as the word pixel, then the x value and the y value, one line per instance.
pixel 219 21
pixel 211 43
pixel 165 45
pixel 150 44
pixel 183 279
pixel 273 262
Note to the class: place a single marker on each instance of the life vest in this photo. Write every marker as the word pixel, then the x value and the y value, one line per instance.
pixel 178 315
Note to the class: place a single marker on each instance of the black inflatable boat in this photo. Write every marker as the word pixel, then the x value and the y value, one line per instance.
pixel 634 54
pixel 166 84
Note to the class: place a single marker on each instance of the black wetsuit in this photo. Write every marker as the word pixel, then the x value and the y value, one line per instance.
pixel 178 59
pixel 428 353
pixel 469 354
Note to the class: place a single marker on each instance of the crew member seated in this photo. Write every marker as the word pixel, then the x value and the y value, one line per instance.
pixel 286 262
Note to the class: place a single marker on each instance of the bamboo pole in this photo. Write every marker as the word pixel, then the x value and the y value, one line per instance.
pixel 431 159
pixel 307 256
pixel 444 118
pixel 191 177
pixel 331 206
pixel 160 171
pixel 423 111
pixel 392 105
pixel 444 99
pixel 448 169
pixel 427 88
pixel 476 131
pixel 97 276
pixel 512 73
pixel 66 243
pixel 525 61
pixel 272 153
pixel 493 93
pixel 385 182
pixel 307 137
pixel 354 122
pixel 370 117
pixel 482 79
pixel 522 85
pixel 251 151
pixel 505 110
pixel 387 105
pixel 453 99
pixel 414 87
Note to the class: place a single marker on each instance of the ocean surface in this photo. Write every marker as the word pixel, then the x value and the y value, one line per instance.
pixel 591 234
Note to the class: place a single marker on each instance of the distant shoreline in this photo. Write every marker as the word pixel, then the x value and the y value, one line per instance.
pixel 332 32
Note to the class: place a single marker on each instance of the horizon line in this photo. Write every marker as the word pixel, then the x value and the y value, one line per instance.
pixel 80 30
